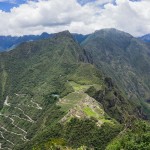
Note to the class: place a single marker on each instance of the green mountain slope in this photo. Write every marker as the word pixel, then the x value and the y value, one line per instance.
pixel 52 97
pixel 124 58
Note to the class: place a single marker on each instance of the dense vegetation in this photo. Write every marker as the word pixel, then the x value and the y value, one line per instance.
pixel 77 133
pixel 53 97
pixel 125 59
pixel 133 138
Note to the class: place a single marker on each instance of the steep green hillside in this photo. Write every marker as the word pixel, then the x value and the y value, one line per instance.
pixel 52 97
pixel 135 137
pixel 124 58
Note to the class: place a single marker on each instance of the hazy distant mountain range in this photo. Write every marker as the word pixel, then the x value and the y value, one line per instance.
pixel 146 38
pixel 9 42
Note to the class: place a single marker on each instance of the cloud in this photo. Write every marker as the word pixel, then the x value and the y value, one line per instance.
pixel 35 17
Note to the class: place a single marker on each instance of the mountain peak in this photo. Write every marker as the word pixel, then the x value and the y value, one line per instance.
pixel 107 29
pixel 44 34
pixel 65 33
pixel 113 31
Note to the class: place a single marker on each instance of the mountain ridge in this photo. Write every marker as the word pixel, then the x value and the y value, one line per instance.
pixel 145 38
pixel 10 42
pixel 122 57
pixel 52 95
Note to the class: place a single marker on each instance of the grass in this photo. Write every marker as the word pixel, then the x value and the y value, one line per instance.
pixel 97 114
pixel 104 120
pixel 84 87
pixel 90 112
pixel 79 87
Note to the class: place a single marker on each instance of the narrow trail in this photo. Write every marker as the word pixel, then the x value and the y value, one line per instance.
pixel 3 128
pixel 8 104
pixel 22 136
pixel 12 122
pixel 37 105
pixel 1 133
pixel 21 118
pixel 17 126
pixel 20 95
pixel 6 101
pixel 22 132
pixel 1 146
pixel 29 118
pixel 34 103
pixel 4 147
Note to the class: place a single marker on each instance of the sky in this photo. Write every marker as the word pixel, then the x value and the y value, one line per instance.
pixel 24 17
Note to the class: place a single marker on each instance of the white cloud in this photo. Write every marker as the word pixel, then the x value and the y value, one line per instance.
pixel 57 15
